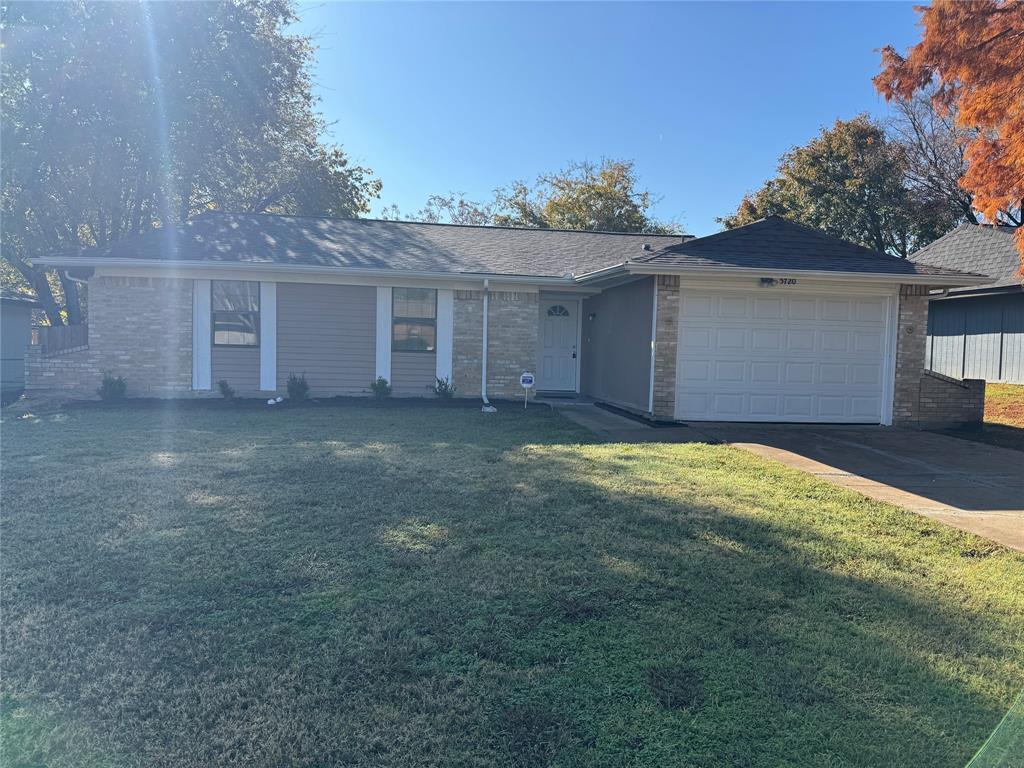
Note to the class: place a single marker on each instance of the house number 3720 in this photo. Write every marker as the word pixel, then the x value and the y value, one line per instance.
pixel 786 281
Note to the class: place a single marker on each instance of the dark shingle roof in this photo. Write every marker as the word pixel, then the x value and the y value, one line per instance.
pixel 373 244
pixel 776 243
pixel 976 248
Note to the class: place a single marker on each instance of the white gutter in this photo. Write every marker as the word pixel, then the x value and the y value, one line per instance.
pixel 487 407
pixel 821 274
pixel 77 261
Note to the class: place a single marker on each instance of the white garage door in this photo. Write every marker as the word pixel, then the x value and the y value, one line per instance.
pixel 764 356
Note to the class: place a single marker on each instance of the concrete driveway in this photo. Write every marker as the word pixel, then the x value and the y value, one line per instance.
pixel 972 486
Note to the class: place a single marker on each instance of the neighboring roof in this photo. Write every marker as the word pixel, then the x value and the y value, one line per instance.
pixel 982 248
pixel 262 239
pixel 776 243
pixel 19 299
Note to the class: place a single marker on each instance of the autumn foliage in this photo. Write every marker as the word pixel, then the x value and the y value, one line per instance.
pixel 974 53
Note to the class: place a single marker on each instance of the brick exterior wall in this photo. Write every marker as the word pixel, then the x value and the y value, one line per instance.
pixel 666 338
pixel 512 320
pixel 920 397
pixel 139 328
pixel 944 400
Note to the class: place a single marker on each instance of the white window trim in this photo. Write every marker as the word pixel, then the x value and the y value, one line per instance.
pixel 268 337
pixel 383 347
pixel 444 343
pixel 202 352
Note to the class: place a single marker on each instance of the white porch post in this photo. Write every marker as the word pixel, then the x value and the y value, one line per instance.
pixel 201 349
pixel 268 337
pixel 445 332
pixel 383 367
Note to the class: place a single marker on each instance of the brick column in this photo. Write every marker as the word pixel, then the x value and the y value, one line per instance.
pixel 666 339
pixel 911 336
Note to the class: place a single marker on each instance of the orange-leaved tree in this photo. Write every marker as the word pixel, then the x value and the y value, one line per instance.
pixel 974 53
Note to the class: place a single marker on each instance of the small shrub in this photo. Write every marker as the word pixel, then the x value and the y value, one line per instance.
pixel 444 388
pixel 298 387
pixel 112 388
pixel 380 388
pixel 225 390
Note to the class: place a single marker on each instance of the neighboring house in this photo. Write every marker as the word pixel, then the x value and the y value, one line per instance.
pixel 769 322
pixel 977 331
pixel 15 334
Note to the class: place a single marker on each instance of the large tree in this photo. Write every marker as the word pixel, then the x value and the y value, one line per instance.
pixel 934 148
pixel 972 55
pixel 850 181
pixel 583 195
pixel 118 117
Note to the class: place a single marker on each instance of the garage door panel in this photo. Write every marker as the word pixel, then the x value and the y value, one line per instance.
pixel 750 357
pixel 768 309
pixel 835 309
pixel 835 341
pixel 732 338
pixel 765 372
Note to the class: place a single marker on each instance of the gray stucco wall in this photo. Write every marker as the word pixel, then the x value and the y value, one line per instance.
pixel 327 332
pixel 977 338
pixel 616 345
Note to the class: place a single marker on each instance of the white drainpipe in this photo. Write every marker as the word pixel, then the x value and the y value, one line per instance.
pixel 487 407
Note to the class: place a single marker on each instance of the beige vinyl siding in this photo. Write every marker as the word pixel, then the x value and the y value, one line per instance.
pixel 327 332
pixel 239 366
pixel 413 374
pixel 616 349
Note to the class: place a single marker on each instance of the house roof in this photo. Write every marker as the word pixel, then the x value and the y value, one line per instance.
pixel 779 244
pixel 982 248
pixel 263 239
pixel 19 299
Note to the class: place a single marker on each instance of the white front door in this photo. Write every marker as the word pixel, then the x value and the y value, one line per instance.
pixel 559 323
pixel 767 355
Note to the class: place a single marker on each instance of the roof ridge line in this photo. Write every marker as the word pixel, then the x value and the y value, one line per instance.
pixel 436 224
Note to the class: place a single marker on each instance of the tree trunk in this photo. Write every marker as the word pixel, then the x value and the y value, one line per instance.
pixel 72 299
pixel 37 279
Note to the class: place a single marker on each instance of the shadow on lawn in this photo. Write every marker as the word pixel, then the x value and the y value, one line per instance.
pixel 486 597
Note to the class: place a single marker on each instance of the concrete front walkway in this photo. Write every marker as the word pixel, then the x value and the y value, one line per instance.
pixel 972 486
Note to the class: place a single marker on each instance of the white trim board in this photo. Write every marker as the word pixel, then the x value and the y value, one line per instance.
pixel 445 333
pixel 383 345
pixel 268 337
pixel 202 350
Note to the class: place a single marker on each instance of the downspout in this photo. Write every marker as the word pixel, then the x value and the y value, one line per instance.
pixel 487 407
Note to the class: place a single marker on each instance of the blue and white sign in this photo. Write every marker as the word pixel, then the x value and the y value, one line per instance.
pixel 526 380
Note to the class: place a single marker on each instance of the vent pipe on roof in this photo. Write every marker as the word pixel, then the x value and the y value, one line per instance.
pixel 646 246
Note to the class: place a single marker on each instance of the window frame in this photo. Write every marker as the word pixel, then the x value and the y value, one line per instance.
pixel 256 316
pixel 395 319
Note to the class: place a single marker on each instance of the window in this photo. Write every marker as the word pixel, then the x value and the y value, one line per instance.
pixel 558 311
pixel 414 319
pixel 235 306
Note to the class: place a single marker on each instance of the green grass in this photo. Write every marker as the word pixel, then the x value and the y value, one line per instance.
pixel 413 587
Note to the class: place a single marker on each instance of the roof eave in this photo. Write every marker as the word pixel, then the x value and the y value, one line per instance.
pixel 873 277
pixel 78 261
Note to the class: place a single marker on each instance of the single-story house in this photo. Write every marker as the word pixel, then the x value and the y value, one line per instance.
pixel 15 333
pixel 977 331
pixel 773 321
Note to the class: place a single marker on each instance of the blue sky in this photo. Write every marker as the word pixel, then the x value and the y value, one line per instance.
pixel 703 96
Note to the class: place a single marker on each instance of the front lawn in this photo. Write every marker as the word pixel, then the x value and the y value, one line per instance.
pixel 411 587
